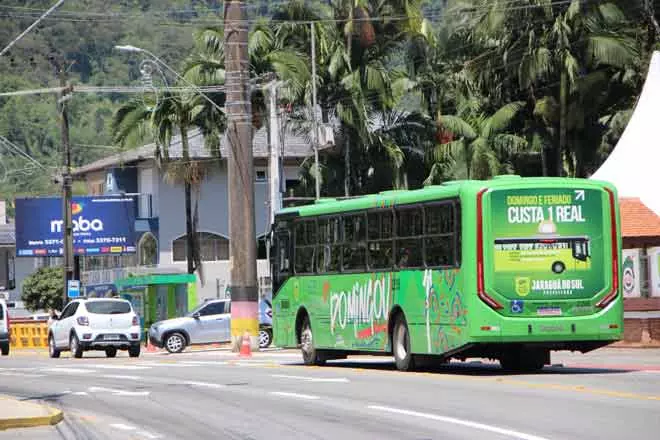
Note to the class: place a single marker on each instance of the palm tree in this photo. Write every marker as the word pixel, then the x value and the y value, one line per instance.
pixel 138 120
pixel 547 54
pixel 481 144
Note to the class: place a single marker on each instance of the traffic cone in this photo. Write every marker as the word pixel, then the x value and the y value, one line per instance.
pixel 150 347
pixel 246 350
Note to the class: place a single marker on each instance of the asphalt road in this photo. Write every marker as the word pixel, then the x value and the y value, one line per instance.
pixel 610 394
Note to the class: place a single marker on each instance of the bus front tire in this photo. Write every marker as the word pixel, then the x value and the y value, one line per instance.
pixel 403 356
pixel 311 356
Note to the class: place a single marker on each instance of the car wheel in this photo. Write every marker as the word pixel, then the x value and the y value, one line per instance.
pixel 75 347
pixel 134 351
pixel 175 343
pixel 265 337
pixel 111 352
pixel 52 349
pixel 5 349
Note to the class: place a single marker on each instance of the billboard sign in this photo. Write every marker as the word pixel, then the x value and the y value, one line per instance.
pixel 548 243
pixel 102 225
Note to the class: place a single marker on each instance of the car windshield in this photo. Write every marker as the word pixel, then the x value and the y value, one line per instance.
pixel 108 307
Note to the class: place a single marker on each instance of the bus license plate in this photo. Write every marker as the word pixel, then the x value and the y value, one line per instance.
pixel 548 311
pixel 111 337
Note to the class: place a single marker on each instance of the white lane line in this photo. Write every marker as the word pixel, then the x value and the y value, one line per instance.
pixel 294 395
pixel 203 363
pixel 68 370
pixel 115 367
pixel 117 392
pixel 80 393
pixel 120 376
pixel 149 435
pixel 312 379
pixel 15 373
pixel 466 423
pixel 123 427
pixel 205 384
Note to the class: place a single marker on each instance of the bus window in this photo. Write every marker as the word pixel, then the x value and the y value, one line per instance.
pixel 355 246
pixel 379 238
pixel 409 243
pixel 305 240
pixel 329 245
pixel 440 235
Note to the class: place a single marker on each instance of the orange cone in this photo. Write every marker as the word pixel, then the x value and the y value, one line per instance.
pixel 246 351
pixel 150 347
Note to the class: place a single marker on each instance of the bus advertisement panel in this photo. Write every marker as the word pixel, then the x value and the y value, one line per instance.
pixel 548 243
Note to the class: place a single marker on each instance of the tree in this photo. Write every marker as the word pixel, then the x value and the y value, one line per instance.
pixel 43 290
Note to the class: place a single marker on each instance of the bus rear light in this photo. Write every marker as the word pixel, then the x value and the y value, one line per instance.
pixel 615 254
pixel 481 289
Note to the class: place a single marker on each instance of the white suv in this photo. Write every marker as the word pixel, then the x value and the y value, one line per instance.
pixel 106 324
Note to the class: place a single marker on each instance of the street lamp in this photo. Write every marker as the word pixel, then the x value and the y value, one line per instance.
pixel 132 49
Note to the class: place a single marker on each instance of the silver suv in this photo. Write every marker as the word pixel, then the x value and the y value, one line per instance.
pixel 209 323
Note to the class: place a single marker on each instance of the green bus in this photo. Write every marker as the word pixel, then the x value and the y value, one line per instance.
pixel 508 269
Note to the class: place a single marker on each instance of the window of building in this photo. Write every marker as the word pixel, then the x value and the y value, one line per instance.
pixel 261 247
pixel 260 176
pixel 212 247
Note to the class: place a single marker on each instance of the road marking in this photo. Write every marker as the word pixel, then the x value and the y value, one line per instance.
pixel 313 379
pixel 294 395
pixel 16 373
pixel 116 367
pixel 149 435
pixel 123 427
pixel 68 370
pixel 120 376
pixel 80 393
pixel 202 363
pixel 117 392
pixel 466 423
pixel 205 384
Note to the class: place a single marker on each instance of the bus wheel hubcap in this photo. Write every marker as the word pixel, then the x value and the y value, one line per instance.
pixel 401 343
pixel 306 340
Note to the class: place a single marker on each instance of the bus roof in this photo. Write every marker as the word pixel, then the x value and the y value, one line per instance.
pixel 445 190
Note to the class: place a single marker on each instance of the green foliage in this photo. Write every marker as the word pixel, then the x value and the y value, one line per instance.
pixel 44 289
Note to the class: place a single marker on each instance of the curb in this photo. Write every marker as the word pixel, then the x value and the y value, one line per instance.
pixel 53 418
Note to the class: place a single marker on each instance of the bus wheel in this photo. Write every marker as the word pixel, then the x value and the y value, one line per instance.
pixel 401 345
pixel 311 356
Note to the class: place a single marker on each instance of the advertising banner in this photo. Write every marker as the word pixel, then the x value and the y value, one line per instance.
pixel 101 225
pixel 547 243
pixel 654 270
pixel 631 273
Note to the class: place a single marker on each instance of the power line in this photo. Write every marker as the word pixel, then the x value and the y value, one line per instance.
pixel 22 34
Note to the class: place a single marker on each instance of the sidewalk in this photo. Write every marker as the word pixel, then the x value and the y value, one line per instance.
pixel 15 413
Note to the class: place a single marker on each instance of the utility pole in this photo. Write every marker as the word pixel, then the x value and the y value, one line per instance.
pixel 274 126
pixel 317 178
pixel 70 264
pixel 242 241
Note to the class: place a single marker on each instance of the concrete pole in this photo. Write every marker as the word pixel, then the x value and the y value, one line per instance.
pixel 274 126
pixel 315 122
pixel 243 241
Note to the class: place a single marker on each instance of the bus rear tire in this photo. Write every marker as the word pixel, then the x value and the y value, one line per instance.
pixel 311 356
pixel 403 356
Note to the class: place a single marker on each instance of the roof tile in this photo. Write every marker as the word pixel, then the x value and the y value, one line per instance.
pixel 637 220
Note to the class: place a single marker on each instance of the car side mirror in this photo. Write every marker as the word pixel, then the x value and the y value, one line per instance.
pixel 196 315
